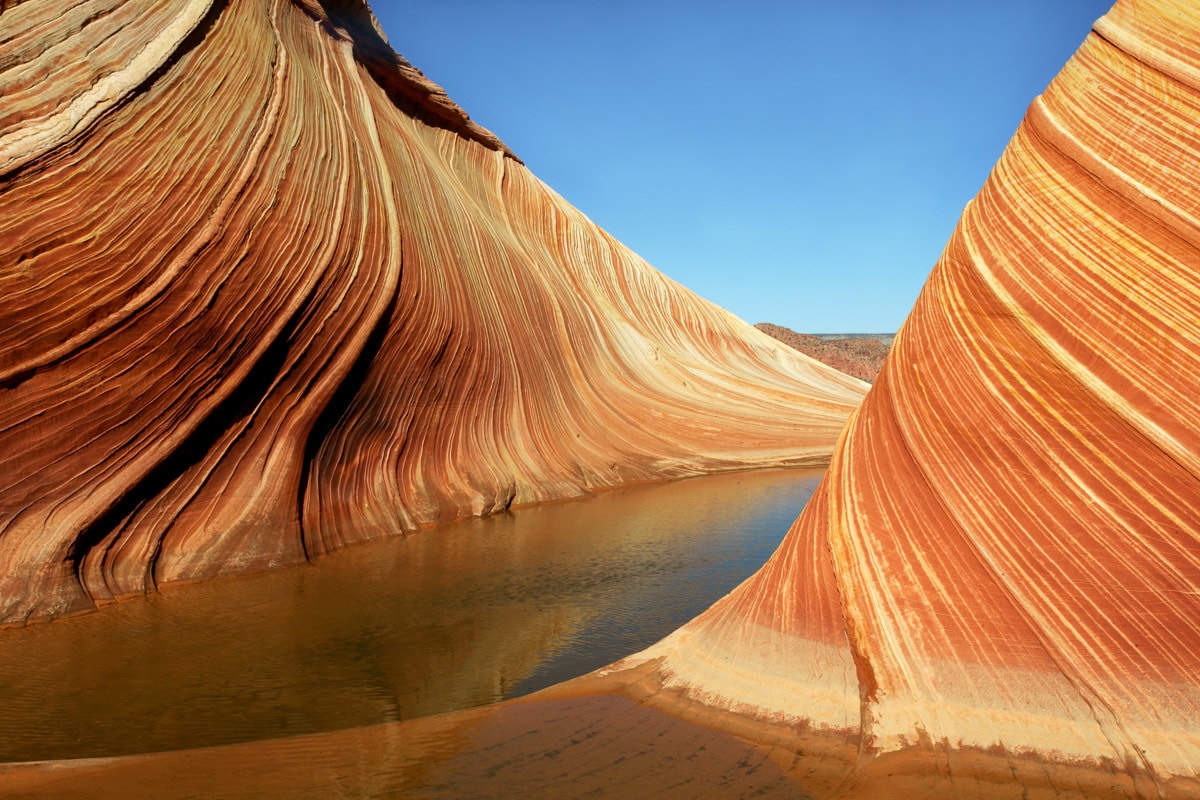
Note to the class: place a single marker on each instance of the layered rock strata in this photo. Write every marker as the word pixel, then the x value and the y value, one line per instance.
pixel 1004 558
pixel 265 291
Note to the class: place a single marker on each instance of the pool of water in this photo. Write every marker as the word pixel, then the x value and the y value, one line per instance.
pixel 435 621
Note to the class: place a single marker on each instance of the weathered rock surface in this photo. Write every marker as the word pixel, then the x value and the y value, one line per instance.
pixel 1004 557
pixel 859 356
pixel 264 291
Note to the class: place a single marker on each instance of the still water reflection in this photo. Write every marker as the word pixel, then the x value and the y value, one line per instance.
pixel 446 619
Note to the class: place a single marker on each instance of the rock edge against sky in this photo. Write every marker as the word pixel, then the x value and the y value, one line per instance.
pixel 266 292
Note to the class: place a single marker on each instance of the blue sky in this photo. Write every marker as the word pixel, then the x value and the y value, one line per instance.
pixel 796 162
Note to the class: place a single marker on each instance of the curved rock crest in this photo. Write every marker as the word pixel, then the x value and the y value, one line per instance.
pixel 266 291
pixel 1004 558
pixel 995 592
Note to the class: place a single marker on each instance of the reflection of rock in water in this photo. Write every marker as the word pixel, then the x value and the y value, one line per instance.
pixel 263 657
pixel 399 628
pixel 266 291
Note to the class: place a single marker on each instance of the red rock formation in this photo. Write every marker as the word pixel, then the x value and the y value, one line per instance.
pixel 996 591
pixel 859 356
pixel 1004 557
pixel 265 291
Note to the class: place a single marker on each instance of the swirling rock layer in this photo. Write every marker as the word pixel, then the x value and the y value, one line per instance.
pixel 265 291
pixel 1004 558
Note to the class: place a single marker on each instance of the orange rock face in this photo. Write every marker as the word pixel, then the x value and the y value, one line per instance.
pixel 265 291
pixel 1004 557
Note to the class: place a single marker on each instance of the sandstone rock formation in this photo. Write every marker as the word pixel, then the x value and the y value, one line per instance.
pixel 996 591
pixel 859 356
pixel 264 291
pixel 1003 562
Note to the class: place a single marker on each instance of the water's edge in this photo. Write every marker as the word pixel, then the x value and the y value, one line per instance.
pixel 446 619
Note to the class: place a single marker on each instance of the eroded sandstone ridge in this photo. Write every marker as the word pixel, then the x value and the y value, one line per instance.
pixel 264 290
pixel 995 592
pixel 1003 563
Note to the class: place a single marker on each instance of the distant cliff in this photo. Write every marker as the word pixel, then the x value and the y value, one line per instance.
pixel 860 356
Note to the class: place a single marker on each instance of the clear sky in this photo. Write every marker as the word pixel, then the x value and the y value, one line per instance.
pixel 796 162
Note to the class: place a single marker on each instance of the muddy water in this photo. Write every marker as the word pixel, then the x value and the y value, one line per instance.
pixel 396 629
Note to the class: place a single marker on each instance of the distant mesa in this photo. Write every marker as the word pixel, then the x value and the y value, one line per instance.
pixel 859 355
